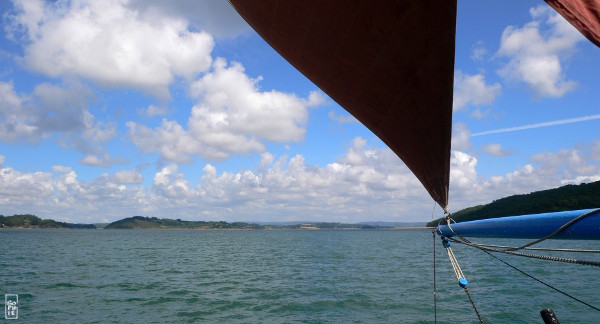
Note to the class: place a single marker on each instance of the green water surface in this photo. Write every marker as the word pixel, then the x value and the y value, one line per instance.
pixel 280 276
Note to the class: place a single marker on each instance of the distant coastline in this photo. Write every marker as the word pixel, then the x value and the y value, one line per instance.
pixel 32 221
pixel 140 222
pixel 569 197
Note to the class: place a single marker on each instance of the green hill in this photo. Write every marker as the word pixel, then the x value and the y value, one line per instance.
pixel 32 221
pixel 569 197
pixel 140 222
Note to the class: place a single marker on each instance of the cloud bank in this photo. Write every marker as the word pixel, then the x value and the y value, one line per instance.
pixel 364 181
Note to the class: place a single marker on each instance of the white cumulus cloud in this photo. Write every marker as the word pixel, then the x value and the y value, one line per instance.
pixel 56 110
pixel 341 119
pixel 154 110
pixel 536 54
pixel 461 137
pixel 216 17
pixel 16 121
pixel 472 90
pixel 496 149
pixel 462 170
pixel 109 43
pixel 478 51
pixel 128 177
pixel 18 189
pixel 232 116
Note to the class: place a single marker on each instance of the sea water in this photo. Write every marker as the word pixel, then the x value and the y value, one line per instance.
pixel 277 276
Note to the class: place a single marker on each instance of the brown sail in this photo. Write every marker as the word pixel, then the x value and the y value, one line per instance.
pixel 389 63
pixel 583 15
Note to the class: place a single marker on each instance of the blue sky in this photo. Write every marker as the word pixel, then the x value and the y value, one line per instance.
pixel 119 108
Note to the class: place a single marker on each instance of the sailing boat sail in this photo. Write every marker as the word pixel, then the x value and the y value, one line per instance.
pixel 388 63
pixel 391 65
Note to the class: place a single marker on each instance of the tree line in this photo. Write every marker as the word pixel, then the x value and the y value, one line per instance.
pixel 569 197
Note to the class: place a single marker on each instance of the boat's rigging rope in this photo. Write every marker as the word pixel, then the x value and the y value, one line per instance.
pixel 434 281
pixel 457 270
pixel 525 246
pixel 511 250
pixel 462 281
pixel 473 303
pixel 540 281
pixel 534 256
pixel 560 229
pixel 533 248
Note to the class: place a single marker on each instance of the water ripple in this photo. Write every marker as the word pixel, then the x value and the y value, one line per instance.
pixel 270 277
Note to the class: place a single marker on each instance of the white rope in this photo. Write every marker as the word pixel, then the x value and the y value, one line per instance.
pixel 455 266
pixel 462 281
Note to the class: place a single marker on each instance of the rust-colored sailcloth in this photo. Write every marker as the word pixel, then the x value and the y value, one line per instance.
pixel 582 14
pixel 389 63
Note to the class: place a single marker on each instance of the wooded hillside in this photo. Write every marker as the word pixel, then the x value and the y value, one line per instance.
pixel 569 197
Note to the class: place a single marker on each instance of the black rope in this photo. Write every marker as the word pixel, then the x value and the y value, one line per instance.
pixel 535 256
pixel 551 258
pixel 527 255
pixel 513 248
pixel 543 283
pixel 534 249
pixel 488 250
pixel 560 229
pixel 473 303
pixel 459 274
